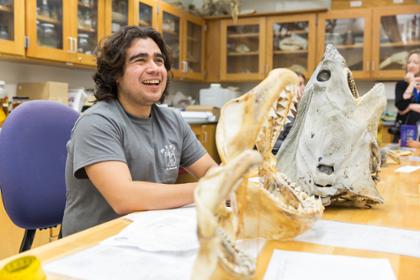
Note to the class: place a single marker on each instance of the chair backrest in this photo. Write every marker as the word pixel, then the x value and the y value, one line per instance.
pixel 32 162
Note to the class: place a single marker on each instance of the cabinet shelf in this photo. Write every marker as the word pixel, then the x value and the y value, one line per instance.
pixel 143 23
pixel 243 35
pixel 6 9
pixel 85 6
pixel 400 44
pixel 48 19
pixel 243 53
pixel 192 39
pixel 278 34
pixel 86 29
pixel 353 46
pixel 290 52
pixel 170 32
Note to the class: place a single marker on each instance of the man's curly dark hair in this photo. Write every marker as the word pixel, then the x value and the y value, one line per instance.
pixel 111 57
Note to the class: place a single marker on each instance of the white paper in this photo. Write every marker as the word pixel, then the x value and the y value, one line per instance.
pixel 105 262
pixel 407 169
pixel 287 265
pixel 366 237
pixel 157 245
pixel 173 230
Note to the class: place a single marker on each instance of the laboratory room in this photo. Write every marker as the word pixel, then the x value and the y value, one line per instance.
pixel 210 139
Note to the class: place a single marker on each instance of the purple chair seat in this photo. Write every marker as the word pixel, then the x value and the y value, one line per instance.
pixel 32 163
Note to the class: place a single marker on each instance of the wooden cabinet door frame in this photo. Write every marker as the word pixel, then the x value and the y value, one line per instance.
pixel 86 59
pixel 224 76
pixel 367 37
pixel 136 12
pixel 167 8
pixel 311 45
pixel 108 16
pixel 67 53
pixel 184 44
pixel 17 45
pixel 376 45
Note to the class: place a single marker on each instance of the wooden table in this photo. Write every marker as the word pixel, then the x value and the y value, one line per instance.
pixel 401 192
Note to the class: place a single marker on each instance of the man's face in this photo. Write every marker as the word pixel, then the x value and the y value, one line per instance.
pixel 145 75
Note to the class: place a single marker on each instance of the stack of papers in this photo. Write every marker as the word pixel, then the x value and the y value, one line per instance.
pixel 190 116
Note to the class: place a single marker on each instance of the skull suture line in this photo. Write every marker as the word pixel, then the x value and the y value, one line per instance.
pixel 331 150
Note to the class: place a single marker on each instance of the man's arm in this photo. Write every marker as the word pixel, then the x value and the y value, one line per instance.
pixel 114 182
pixel 200 167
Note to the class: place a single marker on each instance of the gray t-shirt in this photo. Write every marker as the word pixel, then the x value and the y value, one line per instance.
pixel 153 148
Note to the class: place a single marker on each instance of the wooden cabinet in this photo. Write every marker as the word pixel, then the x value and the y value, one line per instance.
pixel 252 47
pixel 66 31
pixel 291 42
pixel 169 24
pixel 242 49
pixel 12 27
pixel 396 32
pixel 184 35
pixel 206 134
pixel 193 48
pixel 118 13
pixel 351 32
pixel 145 13
pixel 88 28
pixel 374 41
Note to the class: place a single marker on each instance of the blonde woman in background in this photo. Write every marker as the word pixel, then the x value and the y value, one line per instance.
pixel 407 92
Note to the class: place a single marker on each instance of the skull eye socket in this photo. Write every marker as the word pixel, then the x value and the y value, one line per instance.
pixel 323 75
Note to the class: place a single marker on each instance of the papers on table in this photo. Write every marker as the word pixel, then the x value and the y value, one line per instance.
pixel 104 262
pixel 173 230
pixel 365 237
pixel 157 245
pixel 287 265
pixel 407 169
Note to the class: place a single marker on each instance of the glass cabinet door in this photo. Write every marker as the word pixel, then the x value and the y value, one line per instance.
pixel 12 27
pixel 49 24
pixel 241 50
pixel 88 31
pixel 397 33
pixel 349 32
pixel 194 49
pixel 291 43
pixel 171 31
pixel 119 15
pixel 49 30
pixel 6 20
pixel 146 13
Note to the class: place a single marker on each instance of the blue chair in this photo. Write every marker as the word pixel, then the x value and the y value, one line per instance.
pixel 32 164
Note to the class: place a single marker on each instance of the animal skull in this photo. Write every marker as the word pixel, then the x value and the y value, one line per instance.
pixel 331 150
pixel 273 207
pixel 218 258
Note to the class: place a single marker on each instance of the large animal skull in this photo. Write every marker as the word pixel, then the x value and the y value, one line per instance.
pixel 270 207
pixel 218 258
pixel 331 150
pixel 257 116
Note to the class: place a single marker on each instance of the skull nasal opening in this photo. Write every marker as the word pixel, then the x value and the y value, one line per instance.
pixel 327 169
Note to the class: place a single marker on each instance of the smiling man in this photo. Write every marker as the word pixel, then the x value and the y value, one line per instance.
pixel 125 151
